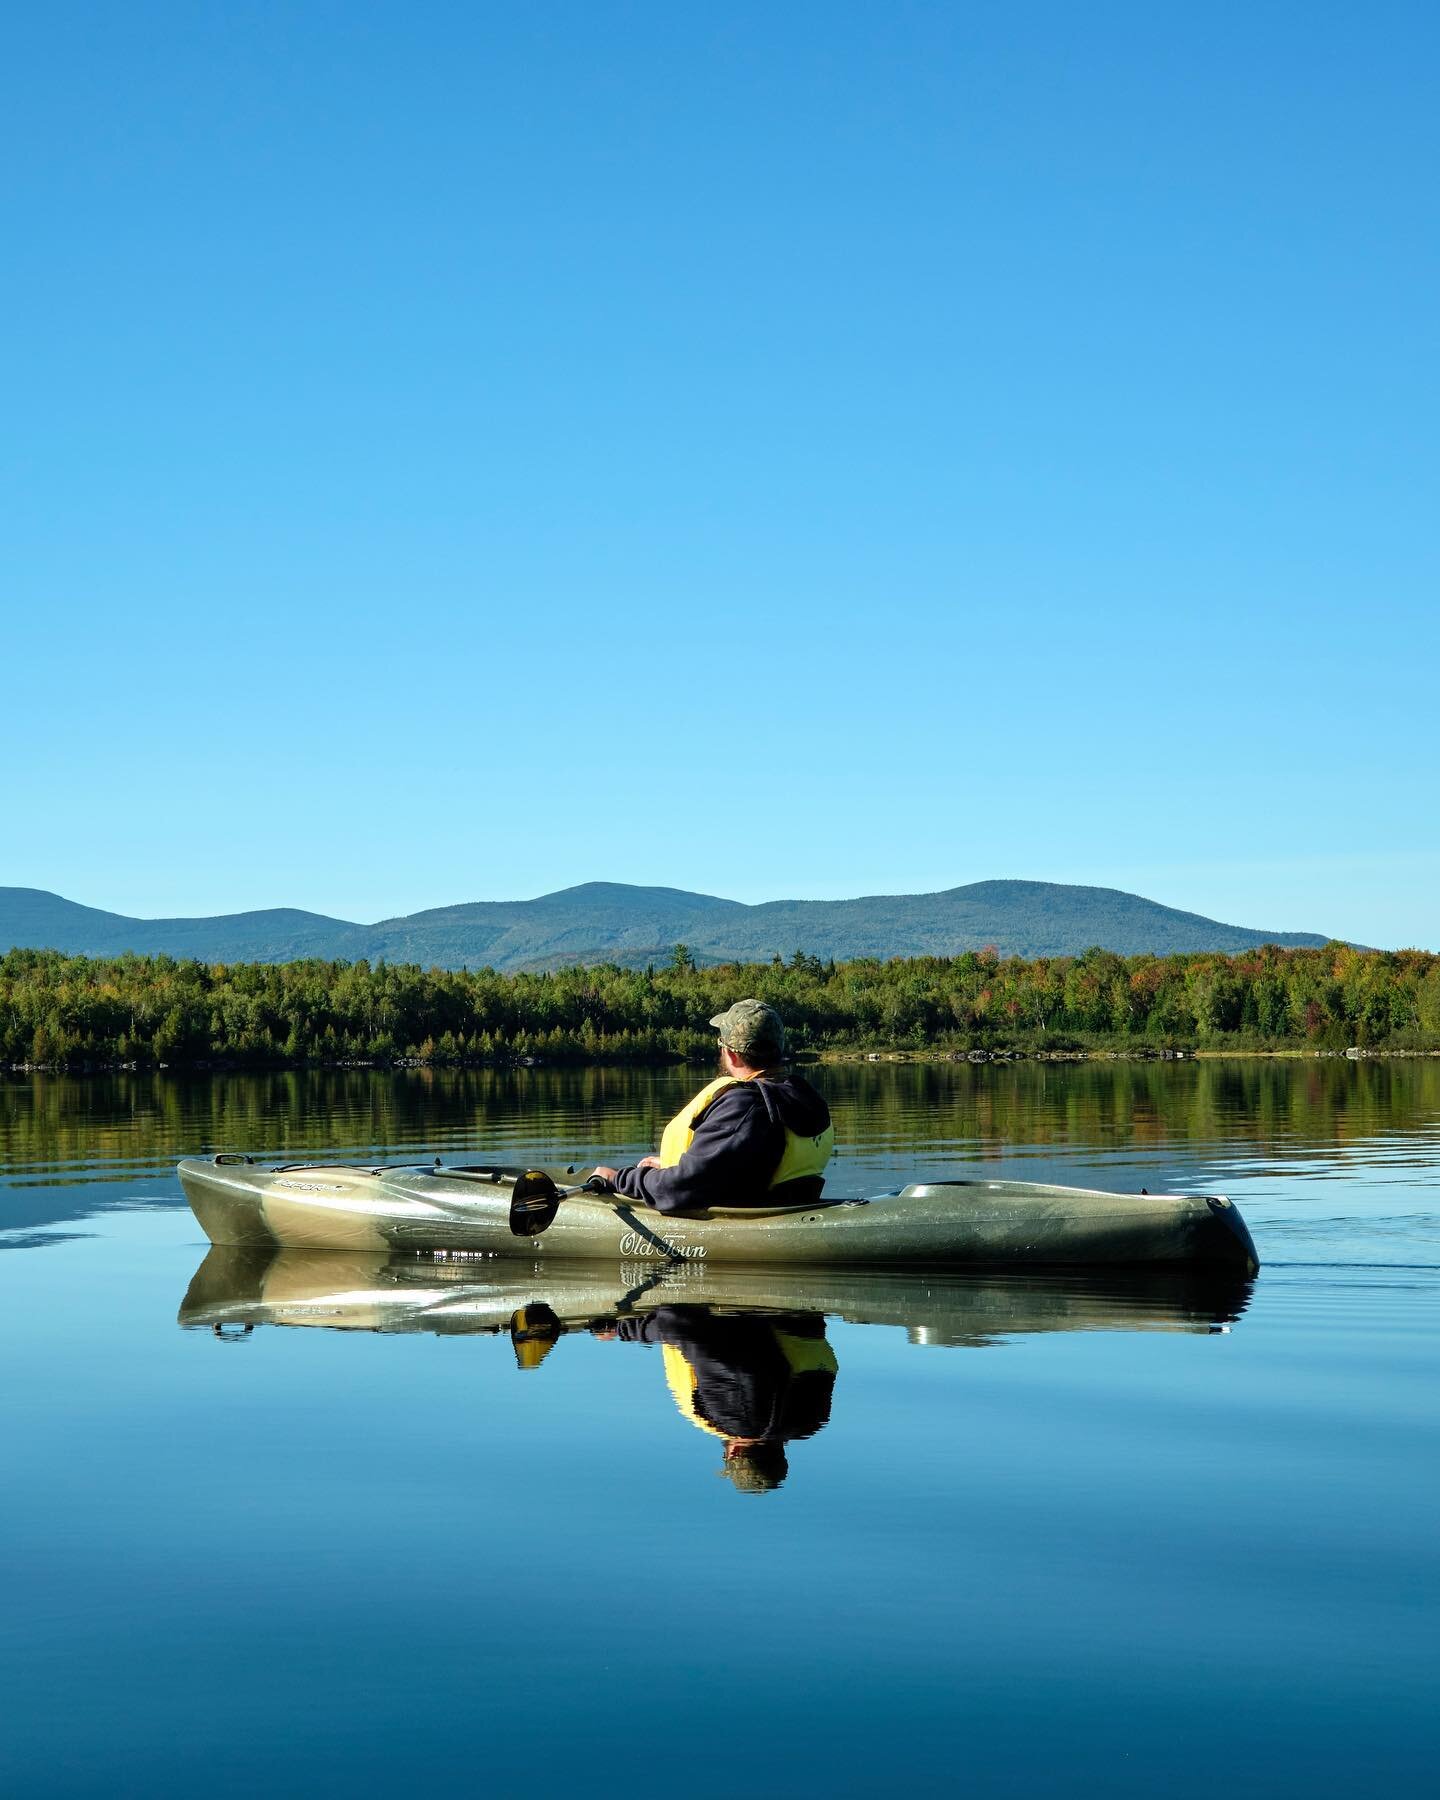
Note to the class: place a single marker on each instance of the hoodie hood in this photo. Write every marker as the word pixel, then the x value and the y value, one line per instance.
pixel 795 1104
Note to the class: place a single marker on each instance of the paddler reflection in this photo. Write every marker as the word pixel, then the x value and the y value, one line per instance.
pixel 757 1383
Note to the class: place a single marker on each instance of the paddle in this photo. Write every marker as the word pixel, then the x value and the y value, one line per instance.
pixel 535 1201
pixel 535 1329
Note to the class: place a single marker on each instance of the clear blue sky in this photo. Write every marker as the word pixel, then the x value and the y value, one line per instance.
pixel 454 451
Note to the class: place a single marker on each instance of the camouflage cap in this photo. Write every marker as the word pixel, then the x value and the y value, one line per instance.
pixel 750 1027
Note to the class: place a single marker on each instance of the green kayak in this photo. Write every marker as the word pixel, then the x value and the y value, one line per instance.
pixel 495 1211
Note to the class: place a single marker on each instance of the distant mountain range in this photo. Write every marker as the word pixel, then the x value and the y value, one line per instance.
pixel 603 921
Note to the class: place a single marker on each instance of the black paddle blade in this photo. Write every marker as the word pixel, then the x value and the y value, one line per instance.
pixel 533 1203
pixel 534 1331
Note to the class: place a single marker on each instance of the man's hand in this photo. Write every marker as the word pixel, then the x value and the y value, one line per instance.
pixel 648 1162
pixel 604 1173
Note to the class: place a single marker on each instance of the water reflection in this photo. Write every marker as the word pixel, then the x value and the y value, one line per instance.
pixel 64 1128
pixel 756 1381
pixel 745 1353
pixel 239 1285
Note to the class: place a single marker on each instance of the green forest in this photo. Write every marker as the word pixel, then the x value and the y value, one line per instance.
pixel 77 1013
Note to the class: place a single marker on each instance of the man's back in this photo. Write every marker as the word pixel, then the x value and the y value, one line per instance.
pixel 739 1144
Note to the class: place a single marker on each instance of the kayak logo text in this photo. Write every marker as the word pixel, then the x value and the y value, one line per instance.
pixel 635 1243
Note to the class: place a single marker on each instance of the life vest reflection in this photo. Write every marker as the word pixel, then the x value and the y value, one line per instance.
pixel 756 1382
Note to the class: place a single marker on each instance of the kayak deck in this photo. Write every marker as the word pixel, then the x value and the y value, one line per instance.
pixel 927 1224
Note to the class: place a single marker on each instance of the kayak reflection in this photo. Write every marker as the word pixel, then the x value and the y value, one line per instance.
pixel 745 1352
pixel 236 1286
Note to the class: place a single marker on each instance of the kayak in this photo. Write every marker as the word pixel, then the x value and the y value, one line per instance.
pixel 238 1287
pixel 492 1210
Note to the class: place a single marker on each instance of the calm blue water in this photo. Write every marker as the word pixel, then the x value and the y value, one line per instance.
pixel 1056 1535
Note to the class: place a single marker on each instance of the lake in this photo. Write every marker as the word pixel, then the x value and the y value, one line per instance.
pixel 313 1523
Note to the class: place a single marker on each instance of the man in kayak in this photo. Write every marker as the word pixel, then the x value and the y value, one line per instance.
pixel 758 1136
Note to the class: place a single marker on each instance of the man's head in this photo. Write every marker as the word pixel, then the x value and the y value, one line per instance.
pixel 752 1033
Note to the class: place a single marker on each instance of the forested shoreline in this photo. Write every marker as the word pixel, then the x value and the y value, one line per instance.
pixel 76 1013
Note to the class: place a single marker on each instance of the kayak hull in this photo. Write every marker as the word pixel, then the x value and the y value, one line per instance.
pixel 926 1225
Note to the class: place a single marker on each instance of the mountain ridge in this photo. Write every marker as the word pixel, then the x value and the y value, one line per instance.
pixel 616 922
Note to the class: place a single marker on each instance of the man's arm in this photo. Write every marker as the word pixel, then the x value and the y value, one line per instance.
pixel 662 1325
pixel 736 1149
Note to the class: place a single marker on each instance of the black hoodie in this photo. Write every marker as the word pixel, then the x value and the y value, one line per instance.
pixel 738 1143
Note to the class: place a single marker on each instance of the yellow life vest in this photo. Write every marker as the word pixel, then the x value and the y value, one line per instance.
pixel 802 1155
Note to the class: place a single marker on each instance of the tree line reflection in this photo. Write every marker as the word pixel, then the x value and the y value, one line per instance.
pixel 55 1123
